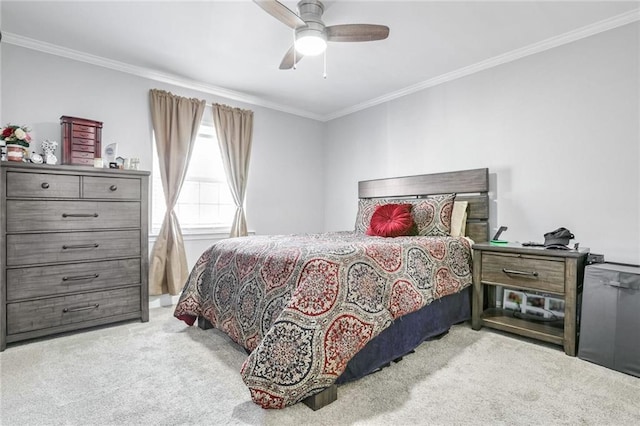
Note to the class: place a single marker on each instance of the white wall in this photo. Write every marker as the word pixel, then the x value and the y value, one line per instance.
pixel 284 193
pixel 559 132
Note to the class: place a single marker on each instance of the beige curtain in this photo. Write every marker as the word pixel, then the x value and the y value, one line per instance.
pixel 176 121
pixel 234 128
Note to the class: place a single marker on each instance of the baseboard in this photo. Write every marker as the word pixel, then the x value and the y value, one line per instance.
pixel 163 300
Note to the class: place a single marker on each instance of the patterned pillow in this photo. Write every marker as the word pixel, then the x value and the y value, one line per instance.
pixel 366 208
pixel 392 220
pixel 432 215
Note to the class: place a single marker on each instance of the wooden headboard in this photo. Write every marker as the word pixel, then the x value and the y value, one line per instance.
pixel 469 185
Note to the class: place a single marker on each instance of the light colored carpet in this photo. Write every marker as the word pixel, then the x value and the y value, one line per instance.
pixel 165 373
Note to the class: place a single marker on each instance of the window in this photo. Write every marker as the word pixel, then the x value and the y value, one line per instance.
pixel 205 202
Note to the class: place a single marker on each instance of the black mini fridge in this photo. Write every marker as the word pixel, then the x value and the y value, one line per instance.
pixel 610 321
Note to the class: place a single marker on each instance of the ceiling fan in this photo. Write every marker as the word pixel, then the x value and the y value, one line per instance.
pixel 310 33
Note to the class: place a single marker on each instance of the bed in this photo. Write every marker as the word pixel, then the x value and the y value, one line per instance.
pixel 317 310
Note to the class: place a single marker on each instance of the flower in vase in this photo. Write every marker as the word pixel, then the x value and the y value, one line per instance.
pixel 17 135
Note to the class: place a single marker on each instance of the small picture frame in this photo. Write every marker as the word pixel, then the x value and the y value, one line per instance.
pixel 554 306
pixel 514 300
pixel 535 301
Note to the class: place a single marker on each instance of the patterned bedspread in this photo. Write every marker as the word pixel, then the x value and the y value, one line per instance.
pixel 304 305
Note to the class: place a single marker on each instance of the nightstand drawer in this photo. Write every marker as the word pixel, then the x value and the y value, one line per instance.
pixel 540 273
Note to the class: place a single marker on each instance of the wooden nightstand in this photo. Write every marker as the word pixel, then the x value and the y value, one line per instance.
pixel 557 273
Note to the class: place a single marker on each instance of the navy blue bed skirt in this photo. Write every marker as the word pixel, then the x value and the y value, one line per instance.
pixel 407 332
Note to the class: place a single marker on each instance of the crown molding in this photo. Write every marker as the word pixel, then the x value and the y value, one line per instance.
pixel 550 43
pixel 150 74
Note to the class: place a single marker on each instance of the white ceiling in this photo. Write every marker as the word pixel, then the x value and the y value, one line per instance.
pixel 233 48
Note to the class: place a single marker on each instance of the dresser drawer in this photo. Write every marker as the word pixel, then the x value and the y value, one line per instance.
pixel 23 215
pixel 23 283
pixel 84 129
pixel 540 273
pixel 36 249
pixel 83 135
pixel 80 154
pixel 82 148
pixel 110 187
pixel 79 141
pixel 57 311
pixel 42 185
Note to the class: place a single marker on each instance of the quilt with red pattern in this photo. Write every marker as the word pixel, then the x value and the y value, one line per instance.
pixel 304 305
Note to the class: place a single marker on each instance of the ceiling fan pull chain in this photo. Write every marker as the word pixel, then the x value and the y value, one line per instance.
pixel 324 75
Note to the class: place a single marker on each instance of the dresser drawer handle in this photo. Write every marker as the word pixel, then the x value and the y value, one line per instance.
pixel 113 187
pixel 521 273
pixel 84 308
pixel 80 277
pixel 79 214
pixel 80 246
pixel 45 185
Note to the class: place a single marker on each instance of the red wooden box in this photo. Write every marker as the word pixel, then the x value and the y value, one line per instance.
pixel 81 140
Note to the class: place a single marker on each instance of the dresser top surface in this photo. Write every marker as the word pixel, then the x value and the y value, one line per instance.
pixel 69 169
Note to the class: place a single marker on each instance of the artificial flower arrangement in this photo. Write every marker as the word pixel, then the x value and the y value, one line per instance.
pixel 16 135
pixel 16 139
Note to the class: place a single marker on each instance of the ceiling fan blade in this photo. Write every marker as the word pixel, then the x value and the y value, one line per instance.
pixel 287 61
pixel 281 12
pixel 357 32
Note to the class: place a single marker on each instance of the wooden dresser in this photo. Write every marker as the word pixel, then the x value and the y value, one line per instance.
pixel 73 249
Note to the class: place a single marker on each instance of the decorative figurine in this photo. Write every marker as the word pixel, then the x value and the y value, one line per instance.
pixel 36 158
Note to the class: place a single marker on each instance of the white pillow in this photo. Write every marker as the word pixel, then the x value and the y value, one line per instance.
pixel 459 218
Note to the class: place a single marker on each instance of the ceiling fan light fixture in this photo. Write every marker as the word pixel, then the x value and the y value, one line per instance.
pixel 310 34
pixel 310 42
